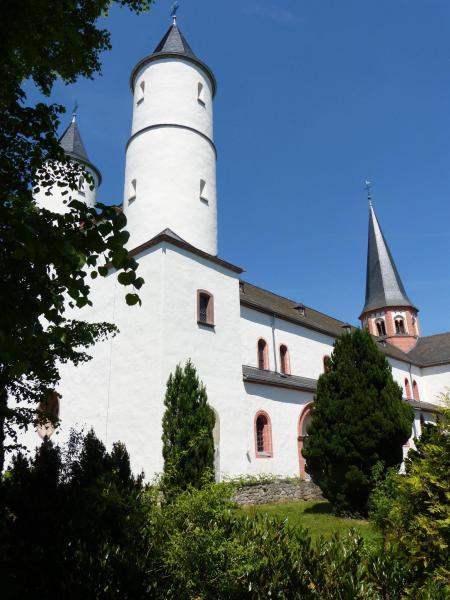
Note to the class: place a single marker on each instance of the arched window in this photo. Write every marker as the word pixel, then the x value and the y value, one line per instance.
pixel 285 366
pixel 407 389
pixel 48 413
pixel 263 355
pixel 381 327
pixel 205 308
pixel 399 325
pixel 416 394
pixel 303 424
pixel 263 436
pixel 326 363
pixel 81 185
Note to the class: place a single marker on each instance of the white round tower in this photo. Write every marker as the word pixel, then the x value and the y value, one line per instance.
pixel 170 174
pixel 73 147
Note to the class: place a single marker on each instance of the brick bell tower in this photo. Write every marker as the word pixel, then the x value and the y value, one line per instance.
pixel 388 312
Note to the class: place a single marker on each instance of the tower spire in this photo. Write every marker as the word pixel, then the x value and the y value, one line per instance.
pixel 384 286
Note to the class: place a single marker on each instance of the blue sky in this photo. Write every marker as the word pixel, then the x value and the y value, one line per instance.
pixel 314 97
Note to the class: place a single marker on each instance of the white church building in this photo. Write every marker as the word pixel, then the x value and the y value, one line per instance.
pixel 258 354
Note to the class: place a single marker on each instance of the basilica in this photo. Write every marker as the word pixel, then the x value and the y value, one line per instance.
pixel 259 354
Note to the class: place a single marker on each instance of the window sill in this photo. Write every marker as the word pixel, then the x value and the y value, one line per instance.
pixel 206 325
pixel 264 455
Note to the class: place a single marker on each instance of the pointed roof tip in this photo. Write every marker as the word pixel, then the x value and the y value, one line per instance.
pixel 174 42
pixel 72 144
pixel 384 286
pixel 71 141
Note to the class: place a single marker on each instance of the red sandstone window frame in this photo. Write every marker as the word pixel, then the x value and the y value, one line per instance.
pixel 301 436
pixel 51 407
pixel 262 355
pixel 416 393
pixel 205 318
pixel 285 360
pixel 408 390
pixel 265 436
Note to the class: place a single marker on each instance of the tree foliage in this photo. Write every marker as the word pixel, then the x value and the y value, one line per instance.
pixel 73 524
pixel 413 509
pixel 188 423
pixel 46 259
pixel 358 420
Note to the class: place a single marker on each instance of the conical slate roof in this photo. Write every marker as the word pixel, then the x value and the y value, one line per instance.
pixel 174 42
pixel 71 142
pixel 383 285
pixel 173 45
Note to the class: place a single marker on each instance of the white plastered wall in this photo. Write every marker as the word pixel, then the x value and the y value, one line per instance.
pixel 170 152
pixel 57 201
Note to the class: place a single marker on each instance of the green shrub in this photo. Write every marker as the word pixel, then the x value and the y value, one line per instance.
pixel 358 420
pixel 188 423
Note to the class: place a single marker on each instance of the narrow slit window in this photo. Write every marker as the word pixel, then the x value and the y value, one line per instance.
pixel 133 188
pixel 407 389
pixel 205 308
pixel 201 94
pixel 49 415
pixel 81 186
pixel 203 191
pixel 141 92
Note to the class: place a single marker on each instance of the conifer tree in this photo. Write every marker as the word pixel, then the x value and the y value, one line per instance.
pixel 188 422
pixel 358 419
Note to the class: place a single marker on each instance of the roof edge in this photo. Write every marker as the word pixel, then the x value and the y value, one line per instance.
pixel 178 55
pixel 164 237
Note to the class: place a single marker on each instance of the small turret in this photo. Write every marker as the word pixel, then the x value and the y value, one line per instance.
pixel 72 144
pixel 387 312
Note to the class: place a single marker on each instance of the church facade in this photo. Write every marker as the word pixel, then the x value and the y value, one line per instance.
pixel 258 354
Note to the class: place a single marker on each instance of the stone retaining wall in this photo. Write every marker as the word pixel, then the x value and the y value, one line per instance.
pixel 277 491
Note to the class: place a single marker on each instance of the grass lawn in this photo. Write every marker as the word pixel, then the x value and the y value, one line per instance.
pixel 317 517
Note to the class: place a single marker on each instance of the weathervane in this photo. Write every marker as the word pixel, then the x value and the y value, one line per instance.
pixel 368 188
pixel 173 11
pixel 74 112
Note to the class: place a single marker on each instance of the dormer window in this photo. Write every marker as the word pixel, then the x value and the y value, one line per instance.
pixel 301 309
pixel 399 325
pixel 141 93
pixel 201 94
pixel 205 308
pixel 381 327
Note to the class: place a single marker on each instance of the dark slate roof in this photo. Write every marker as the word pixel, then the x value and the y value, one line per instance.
pixel 254 375
pixel 305 384
pixel 383 284
pixel 290 310
pixel 174 42
pixel 174 45
pixel 268 302
pixel 71 142
pixel 431 350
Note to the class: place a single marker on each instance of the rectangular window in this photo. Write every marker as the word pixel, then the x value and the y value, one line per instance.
pixel 205 308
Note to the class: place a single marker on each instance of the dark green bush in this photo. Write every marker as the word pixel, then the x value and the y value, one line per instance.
pixel 358 420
